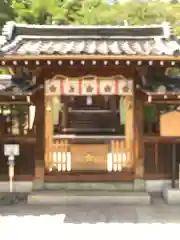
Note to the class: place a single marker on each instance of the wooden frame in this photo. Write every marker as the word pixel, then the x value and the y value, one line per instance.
pixel 137 100
pixel 112 176
pixel 90 57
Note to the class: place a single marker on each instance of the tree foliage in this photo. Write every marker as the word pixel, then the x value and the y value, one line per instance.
pixel 90 12
pixel 6 11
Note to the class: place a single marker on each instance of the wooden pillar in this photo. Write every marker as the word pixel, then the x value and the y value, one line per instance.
pixel 64 114
pixel 40 140
pixel 48 133
pixel 129 130
pixel 138 136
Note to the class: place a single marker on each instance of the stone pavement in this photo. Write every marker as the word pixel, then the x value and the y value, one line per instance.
pixel 158 212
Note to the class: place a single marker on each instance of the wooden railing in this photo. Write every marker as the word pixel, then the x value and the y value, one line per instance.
pixel 65 154
pixel 58 156
pixel 162 156
pixel 118 157
pixel 109 155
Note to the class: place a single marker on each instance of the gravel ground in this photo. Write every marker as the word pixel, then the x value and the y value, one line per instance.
pixel 92 221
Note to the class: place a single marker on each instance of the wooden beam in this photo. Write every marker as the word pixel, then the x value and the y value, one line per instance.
pixel 18 139
pixel 40 140
pixel 138 120
pixel 89 177
pixel 14 103
pixel 167 102
pixel 161 139
pixel 88 57
pixel 81 70
pixel 48 132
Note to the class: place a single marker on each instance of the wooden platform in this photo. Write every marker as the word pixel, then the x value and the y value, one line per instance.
pixel 86 197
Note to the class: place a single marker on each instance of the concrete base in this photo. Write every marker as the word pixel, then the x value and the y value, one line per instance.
pixel 13 198
pixel 22 186
pixel 38 184
pixel 139 185
pixel 171 196
pixel 18 186
pixel 90 186
pixel 83 197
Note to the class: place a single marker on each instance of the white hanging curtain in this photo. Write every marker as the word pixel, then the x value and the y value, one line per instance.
pixel 56 108
pixel 32 112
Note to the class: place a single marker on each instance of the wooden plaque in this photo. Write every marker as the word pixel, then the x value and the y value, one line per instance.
pixel 89 157
pixel 170 124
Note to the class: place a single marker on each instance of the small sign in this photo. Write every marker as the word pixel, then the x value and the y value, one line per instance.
pixel 11 150
pixel 169 124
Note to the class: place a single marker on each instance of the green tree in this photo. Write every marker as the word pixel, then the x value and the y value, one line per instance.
pixel 90 12
pixel 146 12
pixel 6 11
pixel 98 12
pixel 39 11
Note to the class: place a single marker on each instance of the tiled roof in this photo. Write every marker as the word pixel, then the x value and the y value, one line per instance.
pixel 89 40
pixel 11 85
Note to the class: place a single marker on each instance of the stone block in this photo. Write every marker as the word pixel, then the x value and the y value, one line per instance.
pixel 38 184
pixel 18 186
pixel 171 195
pixel 90 186
pixel 139 185
pixel 82 197
pixel 13 198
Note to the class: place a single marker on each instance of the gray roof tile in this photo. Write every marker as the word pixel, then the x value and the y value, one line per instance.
pixel 89 47
pixel 89 40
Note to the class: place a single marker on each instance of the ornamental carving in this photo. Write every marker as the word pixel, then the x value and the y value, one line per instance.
pixel 89 158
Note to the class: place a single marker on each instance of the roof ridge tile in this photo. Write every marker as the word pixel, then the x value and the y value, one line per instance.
pixel 12 30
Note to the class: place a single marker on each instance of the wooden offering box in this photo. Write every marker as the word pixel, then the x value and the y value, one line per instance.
pixel 89 157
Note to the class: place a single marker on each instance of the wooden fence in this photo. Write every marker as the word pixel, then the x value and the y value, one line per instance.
pixel 112 157
pixel 62 156
pixel 157 157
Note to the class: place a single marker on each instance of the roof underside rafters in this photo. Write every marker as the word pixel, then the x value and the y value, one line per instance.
pixel 39 61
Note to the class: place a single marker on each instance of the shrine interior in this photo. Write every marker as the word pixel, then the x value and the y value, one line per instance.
pixel 89 115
